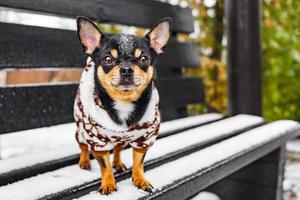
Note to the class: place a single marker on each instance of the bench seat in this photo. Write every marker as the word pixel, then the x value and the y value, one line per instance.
pixel 56 157
pixel 192 173
pixel 71 181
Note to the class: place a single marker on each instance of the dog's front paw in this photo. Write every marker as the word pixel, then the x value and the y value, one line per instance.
pixel 119 167
pixel 143 184
pixel 107 188
pixel 84 164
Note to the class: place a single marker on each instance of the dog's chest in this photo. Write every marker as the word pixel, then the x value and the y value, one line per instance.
pixel 123 110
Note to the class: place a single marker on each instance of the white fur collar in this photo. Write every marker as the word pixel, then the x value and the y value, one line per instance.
pixel 123 109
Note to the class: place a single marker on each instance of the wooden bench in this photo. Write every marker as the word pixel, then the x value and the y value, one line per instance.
pixel 237 157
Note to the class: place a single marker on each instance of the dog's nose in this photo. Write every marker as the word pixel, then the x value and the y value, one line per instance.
pixel 126 71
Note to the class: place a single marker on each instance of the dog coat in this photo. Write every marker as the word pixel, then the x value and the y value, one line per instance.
pixel 95 127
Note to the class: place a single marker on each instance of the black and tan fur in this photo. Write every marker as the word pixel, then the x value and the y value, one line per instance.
pixel 124 71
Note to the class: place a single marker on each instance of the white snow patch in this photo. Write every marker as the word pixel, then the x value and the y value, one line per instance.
pixel 293 146
pixel 233 147
pixel 72 175
pixel 31 159
pixel 188 121
pixel 291 183
pixel 205 196
pixel 36 140
pixel 35 187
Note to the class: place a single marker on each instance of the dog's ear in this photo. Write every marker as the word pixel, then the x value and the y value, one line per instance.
pixel 160 34
pixel 89 34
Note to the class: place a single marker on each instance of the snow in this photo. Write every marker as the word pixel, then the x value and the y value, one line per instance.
pixel 48 183
pixel 45 144
pixel 188 165
pixel 72 175
pixel 205 196
pixel 291 183
pixel 36 140
pixel 188 121
pixel 293 146
pixel 27 160
pixel 37 146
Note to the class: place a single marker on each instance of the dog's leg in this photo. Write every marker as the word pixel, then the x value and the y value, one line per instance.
pixel 84 161
pixel 138 170
pixel 117 163
pixel 108 183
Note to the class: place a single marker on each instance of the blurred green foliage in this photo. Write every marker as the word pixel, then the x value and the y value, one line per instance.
pixel 281 59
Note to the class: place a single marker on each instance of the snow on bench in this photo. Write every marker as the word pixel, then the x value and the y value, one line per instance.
pixel 71 176
pixel 63 135
pixel 205 196
pixel 173 174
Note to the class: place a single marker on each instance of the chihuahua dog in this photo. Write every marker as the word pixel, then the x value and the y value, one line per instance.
pixel 117 102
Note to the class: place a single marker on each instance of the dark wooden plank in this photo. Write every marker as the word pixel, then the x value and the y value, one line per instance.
pixel 179 54
pixel 244 56
pixel 35 47
pixel 29 107
pixel 237 190
pixel 143 13
pixel 180 91
pixel 253 174
pixel 170 113
pixel 260 180
pixel 190 185
pixel 169 72
pixel 35 106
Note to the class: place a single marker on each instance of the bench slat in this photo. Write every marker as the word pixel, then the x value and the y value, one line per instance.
pixel 27 107
pixel 143 13
pixel 179 54
pixel 37 47
pixel 53 159
pixel 75 176
pixel 177 92
pixel 193 173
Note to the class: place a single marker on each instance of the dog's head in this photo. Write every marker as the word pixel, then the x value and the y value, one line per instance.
pixel 124 63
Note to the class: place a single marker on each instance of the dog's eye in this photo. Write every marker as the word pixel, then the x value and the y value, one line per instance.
pixel 144 60
pixel 107 60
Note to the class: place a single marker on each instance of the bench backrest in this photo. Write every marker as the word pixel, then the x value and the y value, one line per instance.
pixel 22 46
